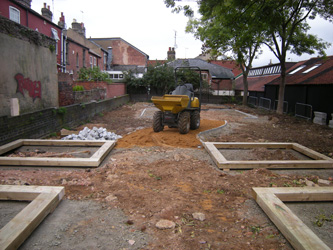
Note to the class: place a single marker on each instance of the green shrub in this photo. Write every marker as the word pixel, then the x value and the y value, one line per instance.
pixel 78 88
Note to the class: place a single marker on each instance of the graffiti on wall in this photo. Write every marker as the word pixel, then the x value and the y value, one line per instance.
pixel 34 88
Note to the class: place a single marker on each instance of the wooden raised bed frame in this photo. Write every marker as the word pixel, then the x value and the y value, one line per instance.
pixel 297 233
pixel 43 201
pixel 93 161
pixel 318 160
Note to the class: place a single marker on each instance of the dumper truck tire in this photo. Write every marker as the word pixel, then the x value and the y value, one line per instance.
pixel 184 122
pixel 157 121
pixel 195 120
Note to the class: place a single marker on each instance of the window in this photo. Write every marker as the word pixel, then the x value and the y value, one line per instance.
pixel 14 14
pixel 77 60
pixel 84 57
pixel 296 70
pixel 91 61
pixel 312 68
pixel 55 37
pixel 204 76
pixel 95 61
pixel 121 76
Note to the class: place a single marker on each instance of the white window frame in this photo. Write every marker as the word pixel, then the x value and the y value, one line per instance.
pixel 95 61
pixel 312 68
pixel 14 14
pixel 297 69
pixel 91 61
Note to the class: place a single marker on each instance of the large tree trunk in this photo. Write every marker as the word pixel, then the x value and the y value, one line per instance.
pixel 281 88
pixel 246 87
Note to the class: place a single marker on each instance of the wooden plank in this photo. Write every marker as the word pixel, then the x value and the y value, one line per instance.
pixel 311 153
pixel 276 164
pixel 94 161
pixel 213 151
pixel 320 161
pixel 297 233
pixel 300 193
pixel 101 153
pixel 15 232
pixel 35 161
pixel 10 146
pixel 242 145
pixel 36 142
pixel 26 193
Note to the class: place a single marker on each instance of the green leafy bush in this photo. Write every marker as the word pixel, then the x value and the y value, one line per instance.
pixel 93 74
pixel 78 88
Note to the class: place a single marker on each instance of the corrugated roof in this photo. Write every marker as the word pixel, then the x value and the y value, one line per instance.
pixel 322 74
pixel 216 71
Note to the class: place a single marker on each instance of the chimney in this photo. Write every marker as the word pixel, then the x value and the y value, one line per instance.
pixel 171 54
pixel 109 61
pixel 79 28
pixel 26 3
pixel 61 22
pixel 46 12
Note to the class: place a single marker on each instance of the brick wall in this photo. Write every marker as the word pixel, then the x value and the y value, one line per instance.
pixel 43 123
pixel 65 82
pixel 116 89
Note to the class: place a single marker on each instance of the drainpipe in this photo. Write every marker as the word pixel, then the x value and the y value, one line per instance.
pixel 109 58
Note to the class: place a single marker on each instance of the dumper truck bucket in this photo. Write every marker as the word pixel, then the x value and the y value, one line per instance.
pixel 172 103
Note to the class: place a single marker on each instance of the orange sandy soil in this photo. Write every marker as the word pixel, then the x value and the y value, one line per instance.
pixel 169 137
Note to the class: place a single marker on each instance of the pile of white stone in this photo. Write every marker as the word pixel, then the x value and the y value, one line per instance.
pixel 93 134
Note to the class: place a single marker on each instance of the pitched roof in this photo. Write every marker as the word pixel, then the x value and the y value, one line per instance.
pixel 313 71
pixel 260 76
pixel 255 83
pixel 229 64
pixel 117 38
pixel 216 71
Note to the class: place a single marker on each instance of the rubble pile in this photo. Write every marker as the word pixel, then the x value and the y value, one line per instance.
pixel 93 134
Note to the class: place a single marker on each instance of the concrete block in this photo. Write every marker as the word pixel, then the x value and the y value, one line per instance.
pixel 14 107
pixel 319 118
pixel 330 123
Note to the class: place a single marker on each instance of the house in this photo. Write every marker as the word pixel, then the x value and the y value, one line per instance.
pixel 80 52
pixel 20 12
pixel 309 86
pixel 219 78
pixel 123 56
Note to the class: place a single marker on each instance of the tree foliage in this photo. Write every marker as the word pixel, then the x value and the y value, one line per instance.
pixel 244 25
pixel 161 79
pixel 93 74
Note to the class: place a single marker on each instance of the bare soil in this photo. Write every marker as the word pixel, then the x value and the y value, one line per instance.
pixel 153 176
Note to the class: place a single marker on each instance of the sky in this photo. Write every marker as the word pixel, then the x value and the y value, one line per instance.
pixel 150 26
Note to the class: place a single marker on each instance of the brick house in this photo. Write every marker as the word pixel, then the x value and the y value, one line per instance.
pixel 82 53
pixel 20 12
pixel 123 56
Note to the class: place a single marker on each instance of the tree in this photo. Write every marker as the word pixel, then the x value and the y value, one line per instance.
pixel 282 22
pixel 227 29
pixel 285 24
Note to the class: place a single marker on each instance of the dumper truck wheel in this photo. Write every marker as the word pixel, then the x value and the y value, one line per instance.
pixel 157 121
pixel 195 120
pixel 184 122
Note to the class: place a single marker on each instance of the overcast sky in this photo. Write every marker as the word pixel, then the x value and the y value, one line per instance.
pixel 149 25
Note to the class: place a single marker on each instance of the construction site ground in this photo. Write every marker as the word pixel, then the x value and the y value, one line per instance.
pixel 151 176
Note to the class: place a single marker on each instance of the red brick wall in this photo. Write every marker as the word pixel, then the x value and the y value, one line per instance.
pixel 221 85
pixel 112 90
pixel 34 22
pixel 116 89
pixel 65 83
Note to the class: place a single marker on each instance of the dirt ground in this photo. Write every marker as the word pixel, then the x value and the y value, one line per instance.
pixel 152 176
